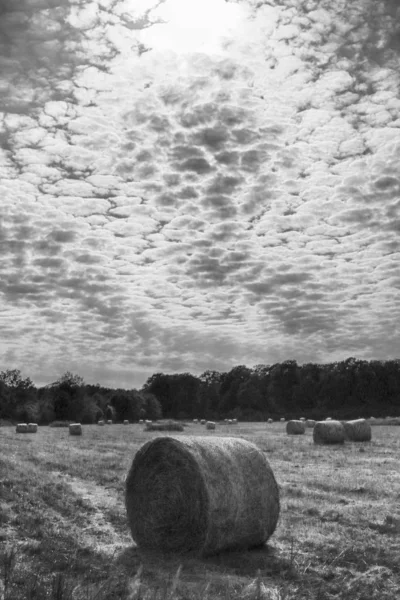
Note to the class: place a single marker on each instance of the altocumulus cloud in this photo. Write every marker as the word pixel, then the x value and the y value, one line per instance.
pixel 192 189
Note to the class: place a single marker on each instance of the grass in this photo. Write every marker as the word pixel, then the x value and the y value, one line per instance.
pixel 63 531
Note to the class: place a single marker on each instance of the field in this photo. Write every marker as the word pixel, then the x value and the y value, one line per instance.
pixel 63 531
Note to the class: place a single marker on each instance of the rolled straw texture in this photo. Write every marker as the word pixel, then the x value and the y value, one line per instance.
pixel 210 425
pixel 22 428
pixel 75 429
pixel 295 427
pixel 358 430
pixel 32 427
pixel 201 495
pixel 310 423
pixel 328 432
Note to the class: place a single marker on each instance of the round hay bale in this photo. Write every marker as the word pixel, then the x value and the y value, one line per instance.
pixel 32 428
pixel 210 425
pixel 75 429
pixel 282 419
pixel 234 421
pixel 310 423
pixel 201 495
pixel 328 432
pixel 328 419
pixel 302 419
pixel 195 420
pixel 126 422
pixel 141 421
pixel 109 422
pixel 229 421
pixel 295 427
pixel 358 430
pixel 203 421
pixel 101 423
pixel 22 428
pixel 270 420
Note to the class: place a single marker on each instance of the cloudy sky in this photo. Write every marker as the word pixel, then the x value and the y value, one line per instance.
pixel 196 184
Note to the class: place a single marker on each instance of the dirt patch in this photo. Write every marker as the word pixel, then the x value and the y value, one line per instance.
pixel 98 533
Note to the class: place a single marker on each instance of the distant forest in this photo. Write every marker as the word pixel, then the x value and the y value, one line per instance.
pixel 348 389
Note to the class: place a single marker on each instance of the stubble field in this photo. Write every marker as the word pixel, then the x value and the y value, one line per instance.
pixel 64 535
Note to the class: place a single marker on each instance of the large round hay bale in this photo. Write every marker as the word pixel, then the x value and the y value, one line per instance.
pixel 295 427
pixel 22 428
pixel 32 428
pixel 328 432
pixel 310 423
pixel 201 495
pixel 210 425
pixel 75 429
pixel 358 430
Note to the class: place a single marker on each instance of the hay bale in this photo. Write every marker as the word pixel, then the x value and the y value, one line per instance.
pixel 22 428
pixel 328 432
pixel 295 427
pixel 75 429
pixel 126 422
pixel 358 430
pixel 195 420
pixel 310 423
pixel 282 419
pixel 210 425
pixel 109 422
pixel 270 420
pixel 229 421
pixel 203 421
pixel 166 426
pixel 234 421
pixel 141 421
pixel 32 428
pixel 101 423
pixel 201 495
pixel 328 419
pixel 302 419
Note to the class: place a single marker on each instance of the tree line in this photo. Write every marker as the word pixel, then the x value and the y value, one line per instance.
pixel 347 389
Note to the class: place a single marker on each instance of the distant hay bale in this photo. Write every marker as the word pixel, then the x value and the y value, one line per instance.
pixel 229 421
pixel 328 419
pixel 328 432
pixel 358 430
pixel 203 421
pixel 75 429
pixel 234 421
pixel 201 495
pixel 141 421
pixel 282 419
pixel 310 423
pixel 270 420
pixel 126 422
pixel 302 419
pixel 101 423
pixel 195 420
pixel 295 427
pixel 166 426
pixel 22 428
pixel 210 425
pixel 109 422
pixel 32 428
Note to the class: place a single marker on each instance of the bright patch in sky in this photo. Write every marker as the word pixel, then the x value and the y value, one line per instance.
pixel 193 25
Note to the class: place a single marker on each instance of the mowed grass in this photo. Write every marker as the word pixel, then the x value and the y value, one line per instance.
pixel 63 530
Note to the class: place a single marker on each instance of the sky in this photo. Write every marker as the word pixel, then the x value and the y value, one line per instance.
pixel 197 184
